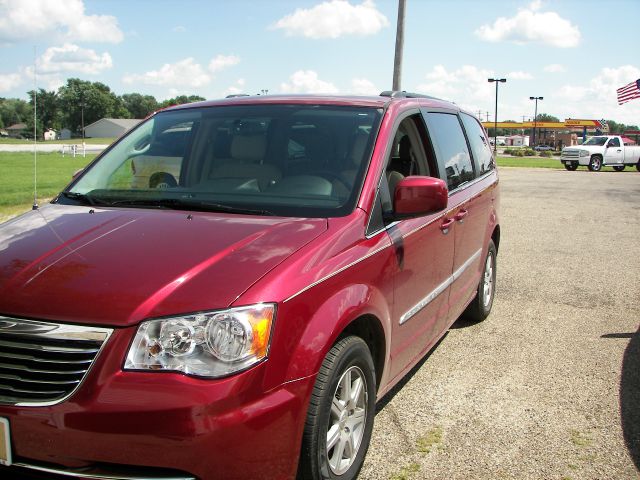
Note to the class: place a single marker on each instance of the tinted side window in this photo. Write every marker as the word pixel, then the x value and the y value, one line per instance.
pixel 480 147
pixel 614 142
pixel 451 148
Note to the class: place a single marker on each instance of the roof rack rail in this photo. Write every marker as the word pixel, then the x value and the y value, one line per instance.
pixel 235 95
pixel 403 94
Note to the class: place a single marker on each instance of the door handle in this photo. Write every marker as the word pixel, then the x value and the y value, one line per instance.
pixel 459 217
pixel 446 225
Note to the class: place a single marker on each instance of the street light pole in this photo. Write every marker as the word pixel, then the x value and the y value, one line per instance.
pixel 535 118
pixel 495 116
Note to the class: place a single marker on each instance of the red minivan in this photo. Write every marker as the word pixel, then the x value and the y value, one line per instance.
pixel 240 315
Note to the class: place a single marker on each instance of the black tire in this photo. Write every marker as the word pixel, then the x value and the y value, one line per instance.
pixel 595 164
pixel 638 166
pixel 571 166
pixel 619 168
pixel 162 180
pixel 480 306
pixel 347 360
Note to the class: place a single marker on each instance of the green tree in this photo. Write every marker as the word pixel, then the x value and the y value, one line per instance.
pixel 14 110
pixel 83 103
pixel 179 100
pixel 139 106
pixel 48 111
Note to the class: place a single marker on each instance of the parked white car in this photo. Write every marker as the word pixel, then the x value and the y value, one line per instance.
pixel 599 151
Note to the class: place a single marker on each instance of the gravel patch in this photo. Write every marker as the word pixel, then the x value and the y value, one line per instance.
pixel 548 387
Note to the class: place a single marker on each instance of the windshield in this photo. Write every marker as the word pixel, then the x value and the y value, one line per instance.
pixel 599 141
pixel 287 160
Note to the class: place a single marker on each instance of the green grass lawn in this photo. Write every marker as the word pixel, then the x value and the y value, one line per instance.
pixel 16 178
pixel 88 141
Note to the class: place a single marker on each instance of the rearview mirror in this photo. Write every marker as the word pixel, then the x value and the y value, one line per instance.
pixel 416 196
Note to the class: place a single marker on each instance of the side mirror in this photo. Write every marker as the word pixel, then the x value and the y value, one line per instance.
pixel 416 196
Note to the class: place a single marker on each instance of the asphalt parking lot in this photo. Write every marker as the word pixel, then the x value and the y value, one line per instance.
pixel 548 387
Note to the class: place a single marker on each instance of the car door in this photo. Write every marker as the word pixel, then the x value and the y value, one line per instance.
pixel 468 207
pixel 424 249
pixel 613 153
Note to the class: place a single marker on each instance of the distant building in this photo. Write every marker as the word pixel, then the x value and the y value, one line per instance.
pixel 110 127
pixel 517 141
pixel 566 140
pixel 65 134
pixel 16 130
pixel 50 134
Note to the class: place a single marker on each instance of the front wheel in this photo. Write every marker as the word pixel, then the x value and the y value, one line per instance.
pixel 480 306
pixel 341 410
pixel 595 164
pixel 571 166
pixel 618 168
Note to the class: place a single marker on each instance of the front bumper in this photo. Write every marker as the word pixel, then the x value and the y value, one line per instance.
pixel 119 424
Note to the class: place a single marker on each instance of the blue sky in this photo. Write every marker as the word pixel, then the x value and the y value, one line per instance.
pixel 573 53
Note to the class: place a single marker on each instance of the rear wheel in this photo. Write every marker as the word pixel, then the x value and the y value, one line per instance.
pixel 340 417
pixel 595 164
pixel 618 168
pixel 480 307
pixel 571 166
pixel 162 180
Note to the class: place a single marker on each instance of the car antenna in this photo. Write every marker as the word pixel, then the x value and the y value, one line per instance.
pixel 35 135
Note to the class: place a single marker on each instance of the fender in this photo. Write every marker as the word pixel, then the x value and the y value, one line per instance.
pixel 329 319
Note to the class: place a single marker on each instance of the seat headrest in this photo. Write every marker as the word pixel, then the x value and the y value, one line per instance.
pixel 248 148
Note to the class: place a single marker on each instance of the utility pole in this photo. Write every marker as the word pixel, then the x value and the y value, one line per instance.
pixel 535 118
pixel 397 63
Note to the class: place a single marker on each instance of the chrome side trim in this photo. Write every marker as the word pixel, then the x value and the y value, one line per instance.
pixel 439 289
pixel 340 270
pixel 32 330
pixel 101 476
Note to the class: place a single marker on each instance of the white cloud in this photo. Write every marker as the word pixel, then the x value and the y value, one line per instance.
pixel 532 25
pixel 179 75
pixel 64 19
pixel 9 81
pixel 362 86
pixel 221 62
pixel 597 99
pixel 72 58
pixel 235 89
pixel 555 68
pixel 179 29
pixel 519 75
pixel 307 81
pixel 333 19
pixel 466 84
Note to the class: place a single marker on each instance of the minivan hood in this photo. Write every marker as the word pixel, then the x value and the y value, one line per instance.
pixel 119 266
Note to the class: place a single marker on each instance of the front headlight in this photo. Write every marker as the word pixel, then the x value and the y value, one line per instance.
pixel 212 344
pixel 584 153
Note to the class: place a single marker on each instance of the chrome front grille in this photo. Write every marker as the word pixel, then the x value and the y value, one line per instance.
pixel 43 363
pixel 571 154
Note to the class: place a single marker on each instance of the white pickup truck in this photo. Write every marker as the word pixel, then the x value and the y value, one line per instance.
pixel 599 151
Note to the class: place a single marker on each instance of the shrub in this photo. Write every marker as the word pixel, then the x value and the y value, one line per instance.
pixel 518 153
pixel 529 152
pixel 546 153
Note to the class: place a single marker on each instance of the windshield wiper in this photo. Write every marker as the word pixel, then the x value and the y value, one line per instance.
pixel 188 204
pixel 82 198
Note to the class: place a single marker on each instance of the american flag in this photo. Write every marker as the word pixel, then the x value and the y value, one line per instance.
pixel 629 92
